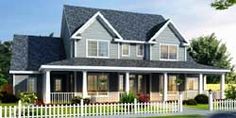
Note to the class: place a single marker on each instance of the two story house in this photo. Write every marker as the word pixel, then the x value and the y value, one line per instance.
pixel 103 53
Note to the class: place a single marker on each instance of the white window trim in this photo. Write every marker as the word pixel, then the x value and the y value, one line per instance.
pixel 137 46
pixel 123 55
pixel 177 49
pixel 87 40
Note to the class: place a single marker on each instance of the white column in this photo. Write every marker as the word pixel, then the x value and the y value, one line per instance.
pixel 222 86
pixel 84 90
pixel 165 89
pixel 205 82
pixel 75 48
pixel 127 82
pixel 14 83
pixel 47 88
pixel 200 84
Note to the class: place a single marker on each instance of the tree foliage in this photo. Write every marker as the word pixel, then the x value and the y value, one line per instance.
pixel 5 58
pixel 223 4
pixel 208 50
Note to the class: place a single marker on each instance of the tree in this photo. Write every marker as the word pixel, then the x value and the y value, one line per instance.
pixel 208 50
pixel 5 58
pixel 223 4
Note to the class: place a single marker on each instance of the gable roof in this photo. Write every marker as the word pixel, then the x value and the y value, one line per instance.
pixel 29 52
pixel 131 26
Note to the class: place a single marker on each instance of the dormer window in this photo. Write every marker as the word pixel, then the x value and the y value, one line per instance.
pixel 140 50
pixel 125 50
pixel 168 52
pixel 97 48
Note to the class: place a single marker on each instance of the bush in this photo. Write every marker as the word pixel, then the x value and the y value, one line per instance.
pixel 201 99
pixel 230 93
pixel 28 98
pixel 127 98
pixel 77 99
pixel 190 102
pixel 8 98
pixel 143 98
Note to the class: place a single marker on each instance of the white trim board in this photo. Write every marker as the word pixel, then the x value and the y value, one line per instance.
pixel 90 22
pixel 23 72
pixel 152 69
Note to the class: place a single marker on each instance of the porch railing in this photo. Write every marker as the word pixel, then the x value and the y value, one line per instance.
pixel 63 97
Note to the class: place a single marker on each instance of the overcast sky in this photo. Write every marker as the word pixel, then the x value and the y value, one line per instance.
pixel 192 17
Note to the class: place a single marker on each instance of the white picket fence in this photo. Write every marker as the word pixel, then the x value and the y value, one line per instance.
pixel 99 109
pixel 221 104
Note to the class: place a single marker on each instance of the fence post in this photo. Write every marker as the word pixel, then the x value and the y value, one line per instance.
pixel 135 105
pixel 1 112
pixel 210 101
pixel 180 101
pixel 19 108
pixel 82 107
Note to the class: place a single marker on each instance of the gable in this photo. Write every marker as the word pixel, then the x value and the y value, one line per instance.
pixel 168 36
pixel 97 31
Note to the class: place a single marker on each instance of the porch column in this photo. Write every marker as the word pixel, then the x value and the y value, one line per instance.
pixel 127 82
pixel 222 86
pixel 47 88
pixel 200 82
pixel 165 87
pixel 205 83
pixel 84 91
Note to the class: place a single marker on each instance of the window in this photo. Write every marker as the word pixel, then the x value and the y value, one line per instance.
pixel 191 84
pixel 169 52
pixel 172 87
pixel 140 50
pixel 98 48
pixel 125 49
pixel 97 84
pixel 32 84
pixel 58 87
pixel 121 83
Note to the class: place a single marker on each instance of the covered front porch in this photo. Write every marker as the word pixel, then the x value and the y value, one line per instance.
pixel 107 85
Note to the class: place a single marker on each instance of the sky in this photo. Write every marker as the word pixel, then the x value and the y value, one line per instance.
pixel 193 18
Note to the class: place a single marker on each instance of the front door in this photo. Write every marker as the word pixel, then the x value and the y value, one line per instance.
pixel 139 83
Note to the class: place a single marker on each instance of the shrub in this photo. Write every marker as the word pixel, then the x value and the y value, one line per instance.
pixel 201 99
pixel 127 98
pixel 28 98
pixel 143 98
pixel 77 100
pixel 7 88
pixel 191 102
pixel 8 98
pixel 230 93
pixel 39 102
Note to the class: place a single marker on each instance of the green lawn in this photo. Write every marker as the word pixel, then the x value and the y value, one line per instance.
pixel 7 104
pixel 198 106
pixel 181 116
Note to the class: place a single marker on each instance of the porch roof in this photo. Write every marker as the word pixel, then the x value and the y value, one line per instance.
pixel 136 65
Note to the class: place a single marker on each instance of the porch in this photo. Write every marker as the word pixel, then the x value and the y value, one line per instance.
pixel 107 86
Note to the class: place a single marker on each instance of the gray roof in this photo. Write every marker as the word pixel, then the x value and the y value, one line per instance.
pixel 132 63
pixel 130 25
pixel 29 52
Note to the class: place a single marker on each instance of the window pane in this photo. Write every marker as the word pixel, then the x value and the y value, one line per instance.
pixel 31 84
pixel 172 52
pixel 92 48
pixel 140 50
pixel 125 49
pixel 92 84
pixel 164 52
pixel 102 83
pixel 172 87
pixel 192 84
pixel 103 49
pixel 58 86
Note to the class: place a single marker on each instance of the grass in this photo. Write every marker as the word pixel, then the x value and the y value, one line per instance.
pixel 8 104
pixel 198 106
pixel 181 116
